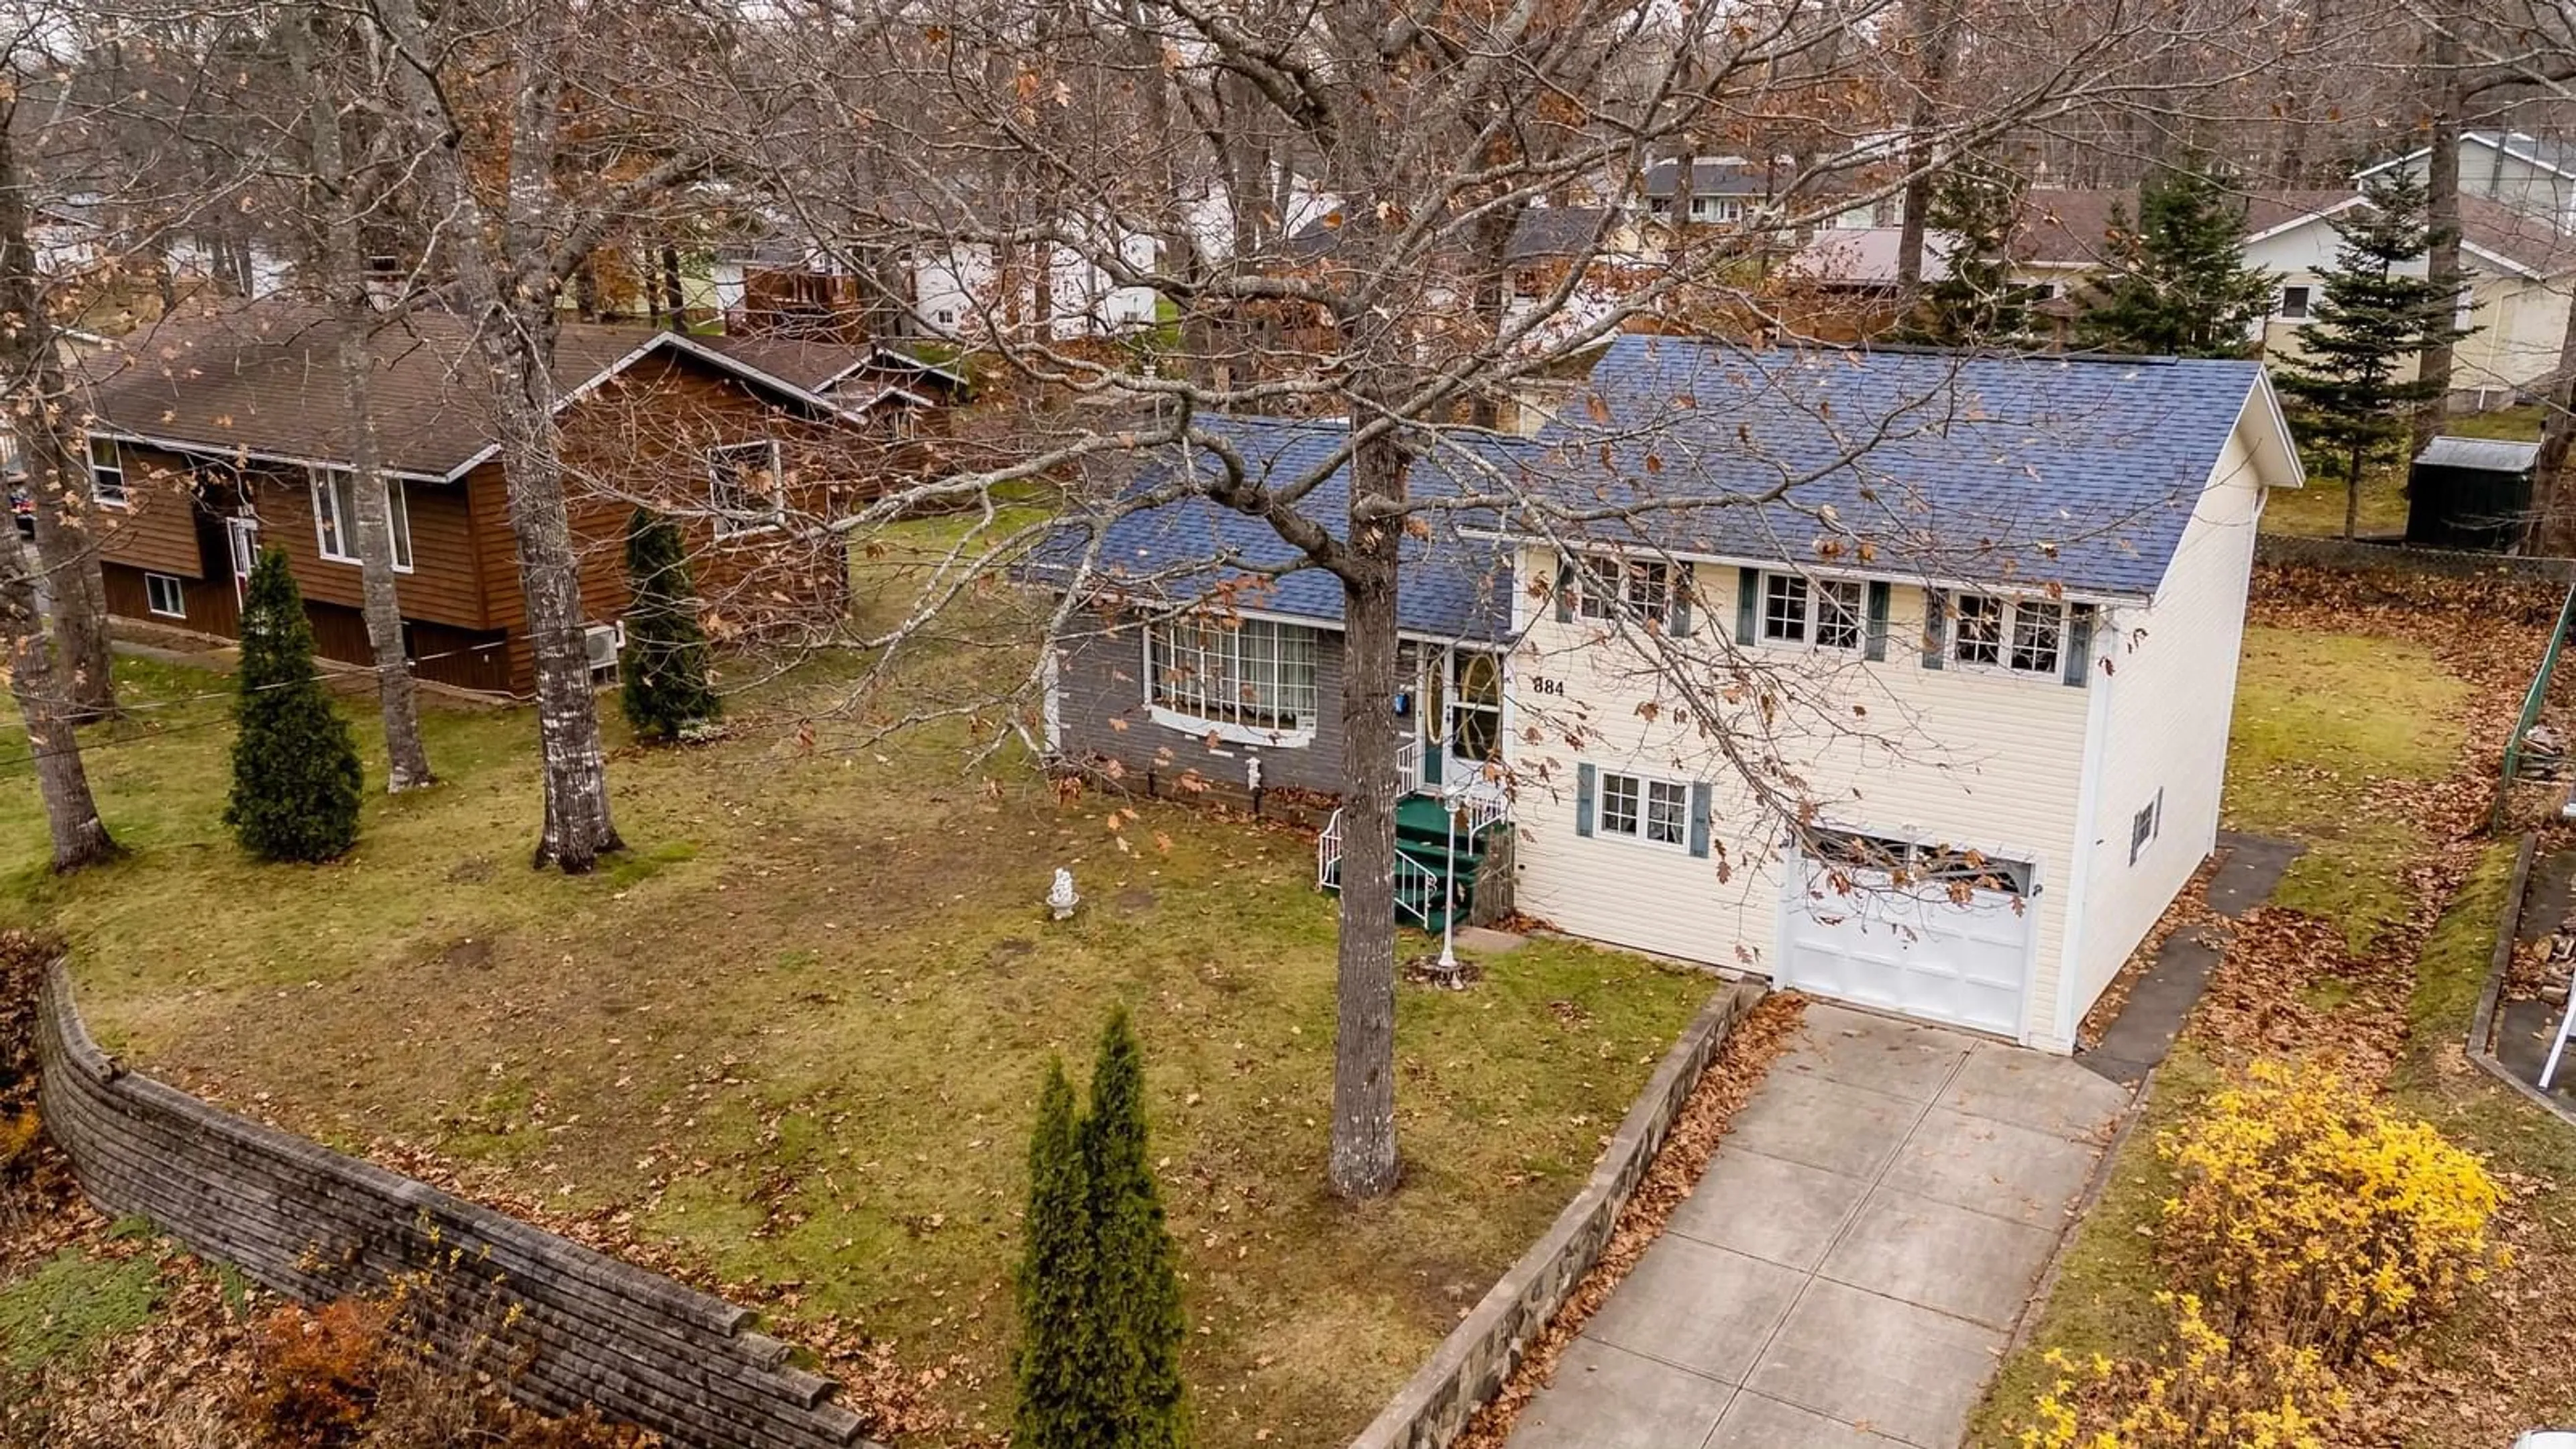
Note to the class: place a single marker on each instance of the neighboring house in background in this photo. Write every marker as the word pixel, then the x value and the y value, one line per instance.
pixel 2012 717
pixel 2519 269
pixel 960 291
pixel 213 439
pixel 2534 175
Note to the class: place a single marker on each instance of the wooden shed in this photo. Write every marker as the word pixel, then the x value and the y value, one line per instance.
pixel 2470 493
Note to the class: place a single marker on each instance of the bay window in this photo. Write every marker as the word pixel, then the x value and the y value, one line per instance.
pixel 1247 680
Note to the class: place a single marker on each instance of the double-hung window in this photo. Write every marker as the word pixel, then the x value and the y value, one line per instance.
pixel 1611 588
pixel 2026 636
pixel 106 472
pixel 1247 680
pixel 335 517
pixel 744 483
pixel 2294 304
pixel 1655 811
pixel 1827 613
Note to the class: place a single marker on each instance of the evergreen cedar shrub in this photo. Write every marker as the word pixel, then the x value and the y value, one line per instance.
pixel 1976 303
pixel 1099 1283
pixel 663 672
pixel 295 762
pixel 2346 399
pixel 2177 284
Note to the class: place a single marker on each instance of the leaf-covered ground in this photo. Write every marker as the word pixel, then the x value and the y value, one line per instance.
pixel 2370 718
pixel 791 1042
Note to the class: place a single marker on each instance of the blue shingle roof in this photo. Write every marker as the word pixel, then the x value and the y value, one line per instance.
pixel 2080 472
pixel 1449 587
pixel 2077 473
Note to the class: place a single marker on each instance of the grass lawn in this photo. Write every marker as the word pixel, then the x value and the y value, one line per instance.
pixel 2317 510
pixel 2324 723
pixel 796 1033
pixel 2332 732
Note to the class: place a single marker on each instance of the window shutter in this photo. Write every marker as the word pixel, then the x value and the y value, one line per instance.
pixel 1565 591
pixel 1877 619
pixel 1748 597
pixel 1681 620
pixel 1583 799
pixel 1700 792
pixel 1936 628
pixel 2079 643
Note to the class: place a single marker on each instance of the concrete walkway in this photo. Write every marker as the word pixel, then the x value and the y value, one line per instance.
pixel 1850 1268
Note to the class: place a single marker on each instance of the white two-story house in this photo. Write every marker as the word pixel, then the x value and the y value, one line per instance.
pixel 1900 678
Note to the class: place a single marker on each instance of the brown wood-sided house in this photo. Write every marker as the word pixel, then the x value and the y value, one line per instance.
pixel 212 440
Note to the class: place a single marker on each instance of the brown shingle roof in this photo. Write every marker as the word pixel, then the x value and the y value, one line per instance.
pixel 2065 226
pixel 263 380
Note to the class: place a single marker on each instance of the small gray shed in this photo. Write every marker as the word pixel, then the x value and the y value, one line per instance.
pixel 2470 493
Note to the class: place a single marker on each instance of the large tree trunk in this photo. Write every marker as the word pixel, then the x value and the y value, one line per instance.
pixel 2442 214
pixel 1932 57
pixel 68 554
pixel 577 828
pixel 1363 1161
pixel 31 374
pixel 344 279
pixel 71 816
pixel 2553 517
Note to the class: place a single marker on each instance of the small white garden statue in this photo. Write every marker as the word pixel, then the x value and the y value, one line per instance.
pixel 1060 896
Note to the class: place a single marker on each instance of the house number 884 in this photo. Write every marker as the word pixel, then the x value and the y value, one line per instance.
pixel 1542 685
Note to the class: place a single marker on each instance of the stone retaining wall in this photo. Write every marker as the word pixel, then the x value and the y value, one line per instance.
pixel 315 1224
pixel 1472 1362
pixel 2336 553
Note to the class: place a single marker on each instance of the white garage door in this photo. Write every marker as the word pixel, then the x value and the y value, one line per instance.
pixel 1914 949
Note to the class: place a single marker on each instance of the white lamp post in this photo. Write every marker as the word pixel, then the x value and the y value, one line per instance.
pixel 1449 904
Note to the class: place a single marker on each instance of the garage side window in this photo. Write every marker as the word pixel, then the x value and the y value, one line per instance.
pixel 2145 826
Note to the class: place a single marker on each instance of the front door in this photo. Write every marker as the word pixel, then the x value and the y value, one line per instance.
pixel 241 538
pixel 1462 716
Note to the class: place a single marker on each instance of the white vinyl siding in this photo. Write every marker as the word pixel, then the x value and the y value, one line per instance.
pixel 2172 694
pixel 1980 762
pixel 335 517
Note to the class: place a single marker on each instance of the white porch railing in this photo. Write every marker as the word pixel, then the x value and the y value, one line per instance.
pixel 1408 766
pixel 1328 852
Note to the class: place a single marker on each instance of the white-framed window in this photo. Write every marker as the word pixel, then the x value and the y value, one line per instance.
pixel 2026 636
pixel 107 472
pixel 165 595
pixel 335 516
pixel 1717 208
pixel 743 481
pixel 1827 613
pixel 1609 588
pixel 1654 811
pixel 1247 680
pixel 2145 826
pixel 2294 303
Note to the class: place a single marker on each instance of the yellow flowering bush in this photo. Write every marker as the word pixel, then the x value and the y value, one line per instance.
pixel 2306 1213
pixel 2205 1392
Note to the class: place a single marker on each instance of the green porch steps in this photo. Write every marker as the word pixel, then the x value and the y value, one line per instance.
pixel 1423 863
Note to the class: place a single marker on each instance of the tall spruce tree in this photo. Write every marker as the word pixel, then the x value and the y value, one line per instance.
pixel 1976 204
pixel 2177 283
pixel 2350 390
pixel 295 764
pixel 1137 1325
pixel 1058 1407
pixel 663 671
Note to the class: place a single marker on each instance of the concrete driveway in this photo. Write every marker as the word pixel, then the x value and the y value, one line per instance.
pixel 1850 1268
